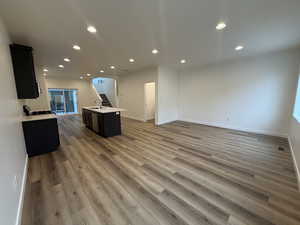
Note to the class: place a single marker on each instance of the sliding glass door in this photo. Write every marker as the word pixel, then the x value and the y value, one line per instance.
pixel 63 101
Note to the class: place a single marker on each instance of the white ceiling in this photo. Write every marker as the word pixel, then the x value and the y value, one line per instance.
pixel 132 28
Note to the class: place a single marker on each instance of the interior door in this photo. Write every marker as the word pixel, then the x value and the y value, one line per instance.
pixel 149 101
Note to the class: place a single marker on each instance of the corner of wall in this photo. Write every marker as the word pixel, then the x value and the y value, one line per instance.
pixel 164 122
pixel 294 161
pixel 167 95
pixel 133 118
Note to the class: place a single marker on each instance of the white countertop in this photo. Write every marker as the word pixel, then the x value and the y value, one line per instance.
pixel 104 109
pixel 38 117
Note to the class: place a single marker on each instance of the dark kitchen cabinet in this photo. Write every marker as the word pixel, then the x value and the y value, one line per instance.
pixel 109 124
pixel 41 136
pixel 104 124
pixel 87 118
pixel 23 66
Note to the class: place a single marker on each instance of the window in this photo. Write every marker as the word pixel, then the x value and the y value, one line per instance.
pixel 63 101
pixel 297 103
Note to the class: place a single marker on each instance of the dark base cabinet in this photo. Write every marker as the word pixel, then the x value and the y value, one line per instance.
pixel 41 136
pixel 109 124
pixel 104 124
pixel 87 118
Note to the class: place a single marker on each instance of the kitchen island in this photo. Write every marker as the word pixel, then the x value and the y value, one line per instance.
pixel 105 121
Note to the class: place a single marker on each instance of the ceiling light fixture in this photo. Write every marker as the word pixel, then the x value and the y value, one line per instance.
pixel 221 26
pixel 91 29
pixel 88 74
pixel 154 51
pixel 67 60
pixel 239 48
pixel 61 66
pixel 101 71
pixel 76 47
pixel 45 70
pixel 81 77
pixel 183 61
pixel 131 60
pixel 112 67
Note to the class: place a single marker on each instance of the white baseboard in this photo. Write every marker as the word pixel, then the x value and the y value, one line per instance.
pixel 222 125
pixel 22 193
pixel 143 120
pixel 133 118
pixel 164 122
pixel 295 162
pixel 68 114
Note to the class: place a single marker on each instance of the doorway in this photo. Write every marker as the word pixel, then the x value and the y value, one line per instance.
pixel 63 101
pixel 150 101
pixel 107 89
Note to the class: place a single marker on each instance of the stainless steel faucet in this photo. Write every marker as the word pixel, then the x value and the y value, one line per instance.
pixel 99 102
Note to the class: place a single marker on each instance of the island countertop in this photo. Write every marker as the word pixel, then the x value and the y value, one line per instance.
pixel 38 117
pixel 104 109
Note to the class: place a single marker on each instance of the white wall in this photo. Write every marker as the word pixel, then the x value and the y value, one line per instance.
pixel 131 92
pixel 253 94
pixel 86 95
pixel 12 147
pixel 107 86
pixel 167 95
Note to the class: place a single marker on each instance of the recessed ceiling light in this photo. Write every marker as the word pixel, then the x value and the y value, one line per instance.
pixel 239 48
pixel 88 74
pixel 91 29
pixel 221 26
pixel 131 60
pixel 76 47
pixel 81 77
pixel 183 61
pixel 61 66
pixel 67 60
pixel 154 51
pixel 112 67
pixel 101 71
pixel 45 70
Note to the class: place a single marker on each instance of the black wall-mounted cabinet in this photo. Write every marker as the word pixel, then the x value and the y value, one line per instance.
pixel 22 59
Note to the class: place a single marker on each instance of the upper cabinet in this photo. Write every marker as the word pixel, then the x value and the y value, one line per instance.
pixel 22 59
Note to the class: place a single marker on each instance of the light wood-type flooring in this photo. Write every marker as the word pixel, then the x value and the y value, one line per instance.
pixel 175 174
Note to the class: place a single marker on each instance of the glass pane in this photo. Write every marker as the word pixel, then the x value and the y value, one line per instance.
pixel 57 101
pixel 63 100
pixel 69 101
